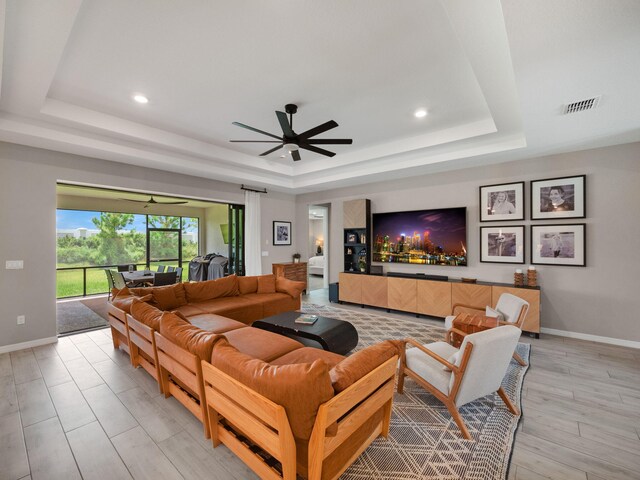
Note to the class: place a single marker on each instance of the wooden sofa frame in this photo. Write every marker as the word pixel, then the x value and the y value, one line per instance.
pixel 119 330
pixel 178 368
pixel 142 339
pixel 266 424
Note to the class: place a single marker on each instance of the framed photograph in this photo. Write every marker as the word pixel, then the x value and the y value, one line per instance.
pixel 502 244
pixel 558 245
pixel 352 238
pixel 502 202
pixel 281 233
pixel 558 198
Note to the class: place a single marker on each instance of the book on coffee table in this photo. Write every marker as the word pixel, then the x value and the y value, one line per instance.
pixel 306 319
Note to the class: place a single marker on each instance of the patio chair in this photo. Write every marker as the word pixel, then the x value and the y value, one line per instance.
pixel 160 268
pixel 166 278
pixel 178 274
pixel 125 268
pixel 109 281
pixel 171 269
pixel 459 376
pixel 118 280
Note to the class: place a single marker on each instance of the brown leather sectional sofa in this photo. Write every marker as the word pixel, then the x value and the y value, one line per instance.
pixel 311 410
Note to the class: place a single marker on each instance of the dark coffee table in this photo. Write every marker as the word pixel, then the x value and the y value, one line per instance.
pixel 336 336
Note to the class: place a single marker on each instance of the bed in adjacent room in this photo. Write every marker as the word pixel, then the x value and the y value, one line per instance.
pixel 315 265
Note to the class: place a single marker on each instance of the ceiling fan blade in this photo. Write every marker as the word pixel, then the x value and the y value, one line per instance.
pixel 284 124
pixel 171 203
pixel 271 151
pixel 255 130
pixel 319 129
pixel 296 155
pixel 321 151
pixel 256 141
pixel 330 141
pixel 136 201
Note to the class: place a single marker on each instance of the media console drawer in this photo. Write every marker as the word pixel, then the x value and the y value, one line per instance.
pixel 431 297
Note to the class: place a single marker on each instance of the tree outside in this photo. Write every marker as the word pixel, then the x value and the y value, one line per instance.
pixel 117 242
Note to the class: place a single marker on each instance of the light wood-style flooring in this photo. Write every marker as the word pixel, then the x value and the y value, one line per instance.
pixel 77 409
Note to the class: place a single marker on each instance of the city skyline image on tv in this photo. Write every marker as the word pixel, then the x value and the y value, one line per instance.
pixel 422 237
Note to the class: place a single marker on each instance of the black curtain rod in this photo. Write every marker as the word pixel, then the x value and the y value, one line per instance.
pixel 264 190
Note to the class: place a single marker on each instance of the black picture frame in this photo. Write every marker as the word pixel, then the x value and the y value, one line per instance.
pixel 502 244
pixel 281 233
pixel 569 250
pixel 570 191
pixel 511 208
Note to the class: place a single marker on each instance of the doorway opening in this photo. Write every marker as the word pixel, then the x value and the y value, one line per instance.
pixel 318 248
pixel 102 233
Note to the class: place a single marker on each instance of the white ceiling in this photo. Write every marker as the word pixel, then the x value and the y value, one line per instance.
pixel 493 75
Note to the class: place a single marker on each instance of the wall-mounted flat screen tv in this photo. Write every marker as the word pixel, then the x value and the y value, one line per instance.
pixel 421 237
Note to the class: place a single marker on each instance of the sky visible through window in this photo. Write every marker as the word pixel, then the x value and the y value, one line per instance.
pixel 71 219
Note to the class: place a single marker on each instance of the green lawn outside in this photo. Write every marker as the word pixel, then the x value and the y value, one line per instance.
pixel 69 282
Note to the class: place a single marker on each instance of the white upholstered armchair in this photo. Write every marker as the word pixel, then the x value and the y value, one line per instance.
pixel 459 376
pixel 510 310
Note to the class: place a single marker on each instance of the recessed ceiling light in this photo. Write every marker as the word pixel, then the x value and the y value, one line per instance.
pixel 283 156
pixel 420 113
pixel 140 98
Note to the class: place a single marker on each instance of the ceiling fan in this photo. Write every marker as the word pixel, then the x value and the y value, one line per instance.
pixel 293 141
pixel 153 201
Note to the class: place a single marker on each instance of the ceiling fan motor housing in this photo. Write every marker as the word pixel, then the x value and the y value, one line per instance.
pixel 291 108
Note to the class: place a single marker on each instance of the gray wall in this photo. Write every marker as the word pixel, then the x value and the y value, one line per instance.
pixel 28 178
pixel 600 299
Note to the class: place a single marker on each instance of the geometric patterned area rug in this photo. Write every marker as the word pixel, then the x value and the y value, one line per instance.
pixel 424 442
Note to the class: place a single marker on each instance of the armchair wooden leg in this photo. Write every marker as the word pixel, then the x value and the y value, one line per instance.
pixel 453 410
pixel 519 359
pixel 115 339
pixel 401 375
pixel 512 408
pixel 386 421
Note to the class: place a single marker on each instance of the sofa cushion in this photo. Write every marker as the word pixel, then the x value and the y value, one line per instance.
pixel 290 287
pixel 146 314
pixel 266 283
pixel 308 355
pixel 274 303
pixel 215 323
pixel 169 297
pixel 210 289
pixel 299 388
pixel 193 339
pixel 238 308
pixel 125 298
pixel 356 366
pixel 266 346
pixel 247 285
pixel 140 291
pixel 189 310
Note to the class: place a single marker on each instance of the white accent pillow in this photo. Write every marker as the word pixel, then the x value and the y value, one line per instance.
pixel 490 312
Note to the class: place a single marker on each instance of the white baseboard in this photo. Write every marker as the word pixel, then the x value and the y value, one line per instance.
pixel 591 338
pixel 29 344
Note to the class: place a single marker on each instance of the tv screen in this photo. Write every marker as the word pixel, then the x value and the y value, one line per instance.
pixel 421 237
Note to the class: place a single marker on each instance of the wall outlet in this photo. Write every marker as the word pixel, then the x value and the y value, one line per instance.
pixel 21 319
pixel 14 265
pixel 265 253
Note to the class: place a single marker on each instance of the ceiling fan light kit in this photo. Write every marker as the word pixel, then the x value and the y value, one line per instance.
pixel 293 142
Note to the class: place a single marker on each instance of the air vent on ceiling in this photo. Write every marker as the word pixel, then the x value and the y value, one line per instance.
pixel 582 105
